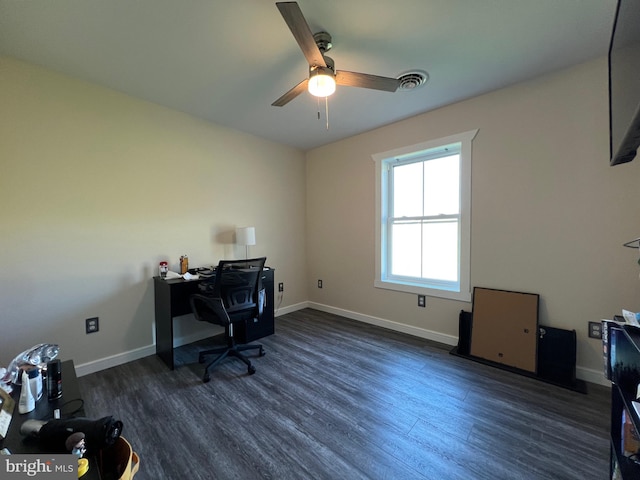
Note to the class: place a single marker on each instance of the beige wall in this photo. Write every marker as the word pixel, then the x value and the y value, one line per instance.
pixel 96 188
pixel 549 215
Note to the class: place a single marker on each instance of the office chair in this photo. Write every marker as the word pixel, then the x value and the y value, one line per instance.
pixel 237 296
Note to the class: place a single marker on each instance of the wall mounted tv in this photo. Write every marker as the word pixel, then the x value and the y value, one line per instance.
pixel 624 83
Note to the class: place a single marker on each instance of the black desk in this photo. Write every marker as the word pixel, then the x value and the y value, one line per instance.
pixel 16 443
pixel 172 300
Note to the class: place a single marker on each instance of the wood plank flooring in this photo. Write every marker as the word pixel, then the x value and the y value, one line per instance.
pixel 339 399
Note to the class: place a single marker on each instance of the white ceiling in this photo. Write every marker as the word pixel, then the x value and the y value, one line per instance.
pixel 227 61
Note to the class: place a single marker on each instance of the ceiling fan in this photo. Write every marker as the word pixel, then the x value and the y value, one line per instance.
pixel 323 76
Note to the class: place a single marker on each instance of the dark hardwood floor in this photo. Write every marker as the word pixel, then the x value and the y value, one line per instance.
pixel 338 399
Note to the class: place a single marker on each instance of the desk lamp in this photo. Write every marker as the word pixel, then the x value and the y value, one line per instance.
pixel 246 236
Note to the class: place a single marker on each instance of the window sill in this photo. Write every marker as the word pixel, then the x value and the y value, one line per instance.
pixel 422 290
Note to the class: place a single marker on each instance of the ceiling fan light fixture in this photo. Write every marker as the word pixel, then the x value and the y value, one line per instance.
pixel 322 81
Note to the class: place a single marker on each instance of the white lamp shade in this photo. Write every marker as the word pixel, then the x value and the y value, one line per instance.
pixel 246 236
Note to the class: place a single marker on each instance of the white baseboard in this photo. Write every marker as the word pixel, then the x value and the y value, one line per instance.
pixel 126 357
pixel 390 324
pixel 291 308
pixel 586 374
pixel 592 376
pixel 114 360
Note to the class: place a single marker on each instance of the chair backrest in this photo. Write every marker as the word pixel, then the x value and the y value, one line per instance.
pixel 236 292
pixel 238 282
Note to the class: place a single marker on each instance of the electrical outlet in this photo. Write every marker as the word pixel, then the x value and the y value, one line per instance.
pixel 595 330
pixel 281 287
pixel 319 283
pixel 422 301
pixel 92 325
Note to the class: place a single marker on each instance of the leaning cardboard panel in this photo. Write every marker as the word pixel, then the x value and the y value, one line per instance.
pixel 505 326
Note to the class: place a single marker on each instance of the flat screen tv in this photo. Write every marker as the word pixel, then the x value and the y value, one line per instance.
pixel 624 83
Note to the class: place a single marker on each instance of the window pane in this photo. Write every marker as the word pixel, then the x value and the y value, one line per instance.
pixel 442 185
pixel 436 234
pixel 440 252
pixel 407 190
pixel 405 250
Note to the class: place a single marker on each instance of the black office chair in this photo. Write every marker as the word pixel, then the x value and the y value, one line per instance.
pixel 234 295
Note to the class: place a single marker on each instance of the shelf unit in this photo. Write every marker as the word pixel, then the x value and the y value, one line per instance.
pixel 624 347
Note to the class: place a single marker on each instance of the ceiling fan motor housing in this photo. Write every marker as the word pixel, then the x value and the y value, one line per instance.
pixel 323 41
pixel 329 70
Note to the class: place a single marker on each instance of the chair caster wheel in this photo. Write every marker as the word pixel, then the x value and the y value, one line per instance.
pixel 262 353
pixel 251 369
pixel 206 378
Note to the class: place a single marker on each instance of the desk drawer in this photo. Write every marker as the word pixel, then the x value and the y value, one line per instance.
pixel 253 329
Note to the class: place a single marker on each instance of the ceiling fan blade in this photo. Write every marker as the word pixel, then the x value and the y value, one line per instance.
pixel 302 33
pixel 364 80
pixel 291 94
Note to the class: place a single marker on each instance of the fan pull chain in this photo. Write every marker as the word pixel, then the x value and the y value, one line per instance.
pixel 326 110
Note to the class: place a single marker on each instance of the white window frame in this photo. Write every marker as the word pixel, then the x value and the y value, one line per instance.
pixel 451 290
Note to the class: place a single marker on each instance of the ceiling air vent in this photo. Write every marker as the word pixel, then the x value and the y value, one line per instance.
pixel 412 80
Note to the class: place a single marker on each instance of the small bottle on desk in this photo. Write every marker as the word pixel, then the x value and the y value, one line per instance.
pixel 54 380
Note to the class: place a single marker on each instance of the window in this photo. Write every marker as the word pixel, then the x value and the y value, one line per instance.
pixel 423 218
